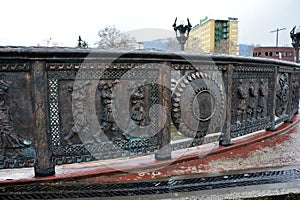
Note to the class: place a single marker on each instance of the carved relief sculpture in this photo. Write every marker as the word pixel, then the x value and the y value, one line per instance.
pixel 242 103
pixel 252 101
pixel 9 138
pixel 282 94
pixel 107 121
pixel 80 123
pixel 137 110
pixel 262 94
pixel 295 94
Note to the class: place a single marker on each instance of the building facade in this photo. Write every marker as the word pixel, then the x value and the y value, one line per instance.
pixel 216 36
pixel 280 53
pixel 194 42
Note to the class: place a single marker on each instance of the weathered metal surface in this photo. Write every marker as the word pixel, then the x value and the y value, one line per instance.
pixel 87 128
pixel 251 99
pixel 198 105
pixel 16 116
pixel 80 105
pixel 43 164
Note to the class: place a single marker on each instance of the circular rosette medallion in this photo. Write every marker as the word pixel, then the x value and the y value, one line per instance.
pixel 198 106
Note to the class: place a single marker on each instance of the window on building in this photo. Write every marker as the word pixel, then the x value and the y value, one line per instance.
pixel 277 54
pixel 271 53
pixel 266 53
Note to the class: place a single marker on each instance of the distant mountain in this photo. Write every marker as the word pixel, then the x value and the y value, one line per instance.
pixel 149 34
pixel 159 44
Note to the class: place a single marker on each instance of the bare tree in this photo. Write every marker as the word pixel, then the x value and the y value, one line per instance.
pixel 172 44
pixel 112 38
pixel 49 43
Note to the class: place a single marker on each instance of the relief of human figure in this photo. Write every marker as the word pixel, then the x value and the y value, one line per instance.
pixel 262 92
pixel 242 102
pixel 80 122
pixel 9 138
pixel 282 94
pixel 107 121
pixel 137 111
pixel 137 126
pixel 295 94
pixel 252 100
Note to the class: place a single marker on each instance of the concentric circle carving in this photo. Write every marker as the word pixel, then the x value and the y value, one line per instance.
pixel 204 97
pixel 198 106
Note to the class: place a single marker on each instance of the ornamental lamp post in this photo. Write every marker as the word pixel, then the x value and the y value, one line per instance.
pixel 182 32
pixel 295 36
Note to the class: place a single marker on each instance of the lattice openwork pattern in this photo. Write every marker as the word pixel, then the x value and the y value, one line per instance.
pixel 54 112
pixel 117 74
pixel 154 100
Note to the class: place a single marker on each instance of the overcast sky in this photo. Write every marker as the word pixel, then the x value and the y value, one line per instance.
pixel 29 22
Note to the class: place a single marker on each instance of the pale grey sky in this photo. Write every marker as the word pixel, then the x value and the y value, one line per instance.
pixel 29 22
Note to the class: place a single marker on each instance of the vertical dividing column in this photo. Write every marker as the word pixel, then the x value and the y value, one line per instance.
pixel 297 90
pixel 164 90
pixel 43 165
pixel 273 103
pixel 297 55
pixel 289 106
pixel 226 137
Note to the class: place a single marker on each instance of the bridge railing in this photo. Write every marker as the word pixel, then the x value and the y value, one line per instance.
pixel 63 105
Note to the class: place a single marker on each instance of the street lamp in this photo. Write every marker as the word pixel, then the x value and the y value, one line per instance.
pixel 295 36
pixel 182 32
pixel 277 30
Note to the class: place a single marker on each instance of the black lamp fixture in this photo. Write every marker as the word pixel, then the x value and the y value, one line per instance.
pixel 295 36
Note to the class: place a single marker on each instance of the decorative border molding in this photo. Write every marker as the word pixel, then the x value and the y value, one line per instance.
pixel 17 163
pixel 254 68
pixel 14 67
pixel 98 65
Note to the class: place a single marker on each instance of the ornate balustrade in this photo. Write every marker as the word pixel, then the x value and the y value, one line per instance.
pixel 61 106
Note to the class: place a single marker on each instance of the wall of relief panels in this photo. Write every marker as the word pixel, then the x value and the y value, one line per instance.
pixel 252 99
pixel 87 122
pixel 57 106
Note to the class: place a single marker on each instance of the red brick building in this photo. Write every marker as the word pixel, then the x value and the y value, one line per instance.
pixel 280 53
